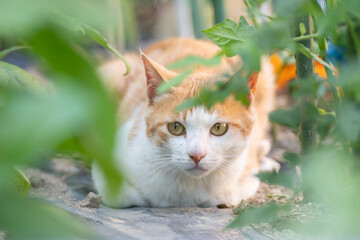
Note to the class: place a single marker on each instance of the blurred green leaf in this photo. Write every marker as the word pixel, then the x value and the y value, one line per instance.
pixel 289 118
pixel 253 215
pixel 167 85
pixel 194 60
pixel 274 36
pixel 325 124
pixel 290 9
pixel 97 37
pixel 307 52
pixel 19 18
pixel 288 179
pixel 327 23
pixel 73 24
pixel 14 180
pixel 14 77
pixel 331 176
pixel 309 87
pixel 187 104
pixel 41 123
pixel 349 121
pixel 30 219
pixel 350 83
pixel 99 112
pixel 5 52
pixel 292 158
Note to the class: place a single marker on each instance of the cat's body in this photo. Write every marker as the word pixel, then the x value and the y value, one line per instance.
pixel 195 167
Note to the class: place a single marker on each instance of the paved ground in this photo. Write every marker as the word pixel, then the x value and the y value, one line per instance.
pixel 169 223
pixel 66 186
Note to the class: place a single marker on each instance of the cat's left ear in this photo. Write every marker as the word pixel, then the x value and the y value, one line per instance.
pixel 252 84
pixel 155 75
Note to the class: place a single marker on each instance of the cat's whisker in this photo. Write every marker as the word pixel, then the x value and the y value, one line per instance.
pixel 204 179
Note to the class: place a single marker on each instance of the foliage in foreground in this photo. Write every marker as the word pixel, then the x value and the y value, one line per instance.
pixel 330 166
pixel 75 114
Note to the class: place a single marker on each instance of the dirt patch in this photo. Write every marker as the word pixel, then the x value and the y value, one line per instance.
pixel 92 200
pixel 53 187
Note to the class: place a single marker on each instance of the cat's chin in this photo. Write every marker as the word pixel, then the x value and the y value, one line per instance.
pixel 196 172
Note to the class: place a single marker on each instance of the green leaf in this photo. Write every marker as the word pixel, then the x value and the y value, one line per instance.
pixel 273 36
pixel 289 9
pixel 192 61
pixel 228 35
pixel 349 119
pixel 37 124
pixel 325 124
pixel 97 117
pixel 289 118
pixel 73 24
pixel 167 85
pixel 5 52
pixel 254 215
pixel 97 37
pixel 187 104
pixel 288 178
pixel 15 181
pixel 292 158
pixel 14 77
pixel 307 52
pixel 302 29
pixel 20 18
pixel 33 219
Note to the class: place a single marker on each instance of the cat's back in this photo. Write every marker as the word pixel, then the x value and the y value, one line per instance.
pixel 174 49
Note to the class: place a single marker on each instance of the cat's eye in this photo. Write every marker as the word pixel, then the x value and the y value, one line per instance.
pixel 176 128
pixel 219 129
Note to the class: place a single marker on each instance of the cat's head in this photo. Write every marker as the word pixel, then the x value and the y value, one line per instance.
pixel 196 141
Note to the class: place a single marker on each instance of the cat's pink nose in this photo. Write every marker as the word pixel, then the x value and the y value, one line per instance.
pixel 196 157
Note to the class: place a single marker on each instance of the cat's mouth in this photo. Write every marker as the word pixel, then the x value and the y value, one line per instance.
pixel 197 171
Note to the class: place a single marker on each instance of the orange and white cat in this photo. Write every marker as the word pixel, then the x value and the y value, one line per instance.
pixel 197 157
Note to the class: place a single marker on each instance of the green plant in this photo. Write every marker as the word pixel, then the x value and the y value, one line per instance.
pixel 78 116
pixel 330 139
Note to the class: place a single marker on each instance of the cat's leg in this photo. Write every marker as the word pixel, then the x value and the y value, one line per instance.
pixel 267 164
pixel 126 196
pixel 231 197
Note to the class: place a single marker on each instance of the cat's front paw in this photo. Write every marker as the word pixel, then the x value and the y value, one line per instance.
pixel 243 190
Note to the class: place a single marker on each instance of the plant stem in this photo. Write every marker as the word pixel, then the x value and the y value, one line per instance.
pixel 330 78
pixel 307 103
pixel 197 16
pixel 305 37
pixel 304 71
pixel 219 11
pixel 251 13
pixel 130 25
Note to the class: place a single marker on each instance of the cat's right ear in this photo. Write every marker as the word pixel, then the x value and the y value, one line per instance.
pixel 155 75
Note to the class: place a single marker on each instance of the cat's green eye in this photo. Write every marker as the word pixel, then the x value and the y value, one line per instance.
pixel 219 129
pixel 176 128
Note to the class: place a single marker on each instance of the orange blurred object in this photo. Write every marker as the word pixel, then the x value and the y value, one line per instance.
pixel 285 73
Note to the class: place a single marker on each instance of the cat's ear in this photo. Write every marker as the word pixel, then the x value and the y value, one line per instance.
pixel 155 75
pixel 252 84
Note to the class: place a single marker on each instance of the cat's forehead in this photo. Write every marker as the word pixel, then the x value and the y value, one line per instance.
pixel 199 115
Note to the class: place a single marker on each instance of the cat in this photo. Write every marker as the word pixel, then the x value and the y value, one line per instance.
pixel 196 157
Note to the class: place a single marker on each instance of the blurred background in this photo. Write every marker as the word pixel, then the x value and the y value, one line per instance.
pixel 136 24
